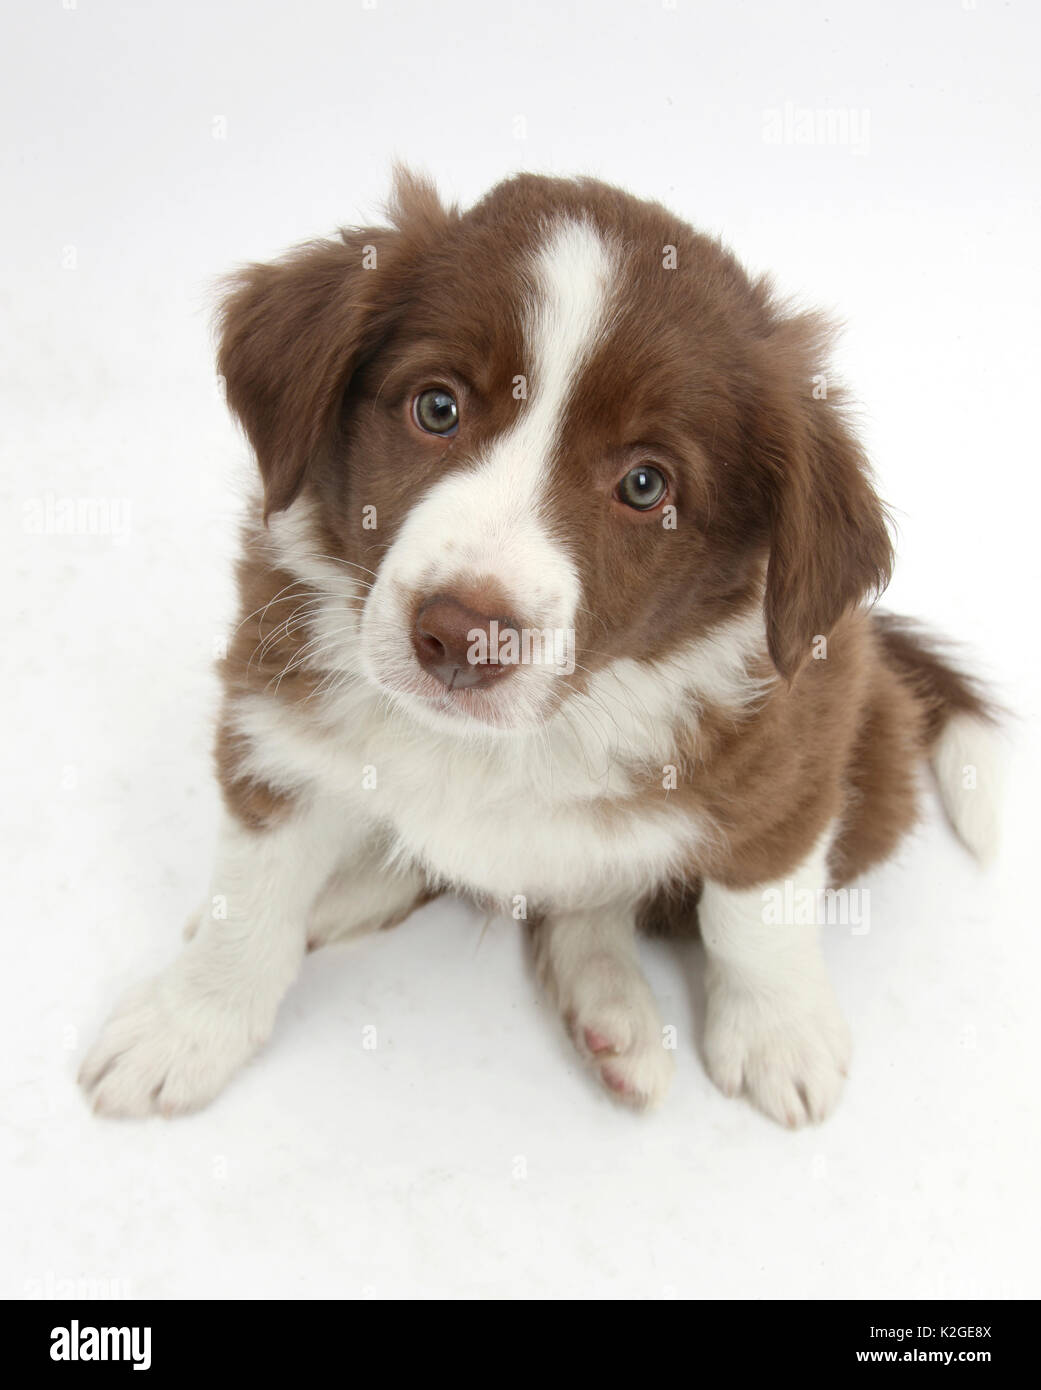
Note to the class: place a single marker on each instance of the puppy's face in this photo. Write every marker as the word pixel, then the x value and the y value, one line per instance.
pixel 555 432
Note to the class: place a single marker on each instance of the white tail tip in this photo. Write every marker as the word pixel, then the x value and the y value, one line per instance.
pixel 968 761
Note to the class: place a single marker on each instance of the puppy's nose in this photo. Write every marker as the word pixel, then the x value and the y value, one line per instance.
pixel 448 642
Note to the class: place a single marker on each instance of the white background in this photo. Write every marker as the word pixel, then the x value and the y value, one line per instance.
pixel 468 1154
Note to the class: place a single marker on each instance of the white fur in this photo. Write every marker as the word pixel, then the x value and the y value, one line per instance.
pixel 968 762
pixel 496 817
pixel 366 891
pixel 773 1025
pixel 641 705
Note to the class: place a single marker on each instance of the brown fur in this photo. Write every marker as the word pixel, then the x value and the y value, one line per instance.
pixel 263 654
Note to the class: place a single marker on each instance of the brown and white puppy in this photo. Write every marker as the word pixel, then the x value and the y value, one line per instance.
pixel 554 597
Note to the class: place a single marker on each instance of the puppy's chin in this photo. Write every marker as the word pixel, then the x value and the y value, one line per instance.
pixel 464 718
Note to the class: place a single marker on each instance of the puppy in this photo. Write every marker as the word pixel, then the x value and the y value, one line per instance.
pixel 554 596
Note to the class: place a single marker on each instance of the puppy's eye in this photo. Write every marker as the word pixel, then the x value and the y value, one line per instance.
pixel 642 488
pixel 436 411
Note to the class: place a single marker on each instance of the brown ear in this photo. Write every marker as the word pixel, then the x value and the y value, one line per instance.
pixel 292 333
pixel 829 540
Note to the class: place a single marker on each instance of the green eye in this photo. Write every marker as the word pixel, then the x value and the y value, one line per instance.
pixel 436 411
pixel 642 488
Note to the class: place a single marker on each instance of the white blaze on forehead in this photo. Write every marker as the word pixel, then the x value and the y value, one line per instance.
pixel 488 521
pixel 574 271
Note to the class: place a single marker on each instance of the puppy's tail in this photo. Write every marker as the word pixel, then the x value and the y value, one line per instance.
pixel 960 733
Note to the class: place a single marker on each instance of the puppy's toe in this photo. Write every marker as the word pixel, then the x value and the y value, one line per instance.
pixel 168 1049
pixel 639 1076
pixel 615 1025
pixel 790 1056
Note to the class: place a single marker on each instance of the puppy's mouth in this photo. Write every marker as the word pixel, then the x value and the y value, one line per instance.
pixel 477 692
pixel 460 710
pixel 482 704
pixel 469 689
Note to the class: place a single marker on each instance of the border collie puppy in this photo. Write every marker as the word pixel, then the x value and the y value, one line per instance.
pixel 555 594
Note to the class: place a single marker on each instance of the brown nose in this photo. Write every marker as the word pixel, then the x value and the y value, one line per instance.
pixel 447 641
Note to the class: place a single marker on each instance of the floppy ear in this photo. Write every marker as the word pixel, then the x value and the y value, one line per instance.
pixel 292 333
pixel 829 541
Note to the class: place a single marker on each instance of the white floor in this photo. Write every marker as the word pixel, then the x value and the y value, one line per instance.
pixel 467 1153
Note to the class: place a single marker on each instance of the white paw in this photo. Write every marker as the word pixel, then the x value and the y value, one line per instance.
pixel 788 1051
pixel 614 1022
pixel 170 1047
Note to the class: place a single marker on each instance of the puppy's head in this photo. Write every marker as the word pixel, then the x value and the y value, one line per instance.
pixel 523 443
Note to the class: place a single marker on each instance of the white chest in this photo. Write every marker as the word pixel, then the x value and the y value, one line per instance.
pixel 507 821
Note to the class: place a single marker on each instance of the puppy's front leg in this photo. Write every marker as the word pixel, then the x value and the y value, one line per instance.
pixel 588 962
pixel 773 1025
pixel 175 1041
